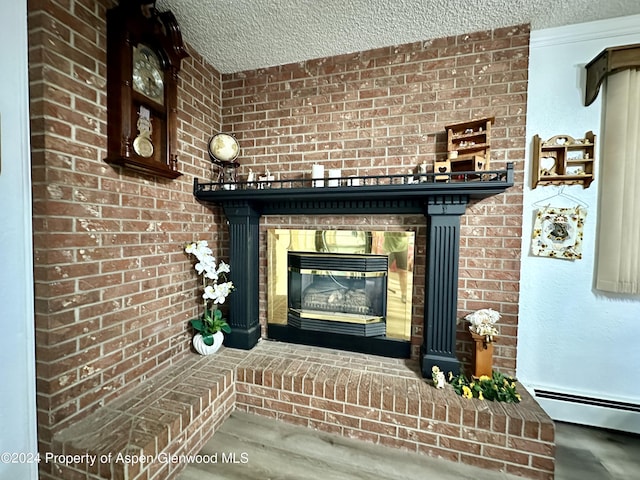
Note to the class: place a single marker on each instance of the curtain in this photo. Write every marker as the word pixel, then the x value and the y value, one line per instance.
pixel 618 263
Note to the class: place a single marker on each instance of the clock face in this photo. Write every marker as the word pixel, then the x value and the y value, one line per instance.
pixel 148 78
pixel 223 147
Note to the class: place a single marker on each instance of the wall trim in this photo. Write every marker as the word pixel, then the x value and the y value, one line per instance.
pixel 17 346
pixel 584 32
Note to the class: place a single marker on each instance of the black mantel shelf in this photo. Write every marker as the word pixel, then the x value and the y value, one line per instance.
pixel 442 203
pixel 383 194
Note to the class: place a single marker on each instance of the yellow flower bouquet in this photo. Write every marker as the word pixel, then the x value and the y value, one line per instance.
pixel 498 387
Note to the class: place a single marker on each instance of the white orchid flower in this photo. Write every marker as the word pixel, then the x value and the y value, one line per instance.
pixel 203 248
pixel 209 293
pixel 223 267
pixel 482 322
pixel 221 292
pixel 211 274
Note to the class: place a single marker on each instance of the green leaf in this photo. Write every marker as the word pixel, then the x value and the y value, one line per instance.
pixel 197 325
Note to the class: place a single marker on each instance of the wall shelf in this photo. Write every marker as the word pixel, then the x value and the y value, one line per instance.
pixel 468 147
pixel 563 160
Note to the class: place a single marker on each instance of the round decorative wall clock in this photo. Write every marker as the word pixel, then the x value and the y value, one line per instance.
pixel 223 150
pixel 148 77
pixel 223 147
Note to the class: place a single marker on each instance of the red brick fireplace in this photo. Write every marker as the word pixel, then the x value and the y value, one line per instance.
pixel 113 288
pixel 383 112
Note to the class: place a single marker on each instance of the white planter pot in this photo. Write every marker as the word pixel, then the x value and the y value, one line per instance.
pixel 204 349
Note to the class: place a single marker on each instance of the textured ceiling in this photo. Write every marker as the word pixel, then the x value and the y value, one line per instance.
pixel 237 35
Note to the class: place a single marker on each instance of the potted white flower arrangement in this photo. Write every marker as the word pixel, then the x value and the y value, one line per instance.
pixel 483 323
pixel 211 326
pixel 484 333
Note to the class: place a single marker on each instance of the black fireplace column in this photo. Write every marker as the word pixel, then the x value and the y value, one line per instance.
pixel 441 299
pixel 244 233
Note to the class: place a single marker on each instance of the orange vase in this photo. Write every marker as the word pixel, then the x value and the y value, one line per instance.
pixel 482 359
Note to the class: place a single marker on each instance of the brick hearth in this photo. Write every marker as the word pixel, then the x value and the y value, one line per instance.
pixel 376 399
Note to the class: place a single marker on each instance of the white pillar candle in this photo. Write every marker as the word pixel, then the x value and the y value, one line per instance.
pixel 354 181
pixel 317 173
pixel 334 177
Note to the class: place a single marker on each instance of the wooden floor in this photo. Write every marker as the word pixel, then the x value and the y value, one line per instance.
pixel 250 447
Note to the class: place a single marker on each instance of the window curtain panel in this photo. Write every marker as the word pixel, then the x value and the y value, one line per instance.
pixel 618 264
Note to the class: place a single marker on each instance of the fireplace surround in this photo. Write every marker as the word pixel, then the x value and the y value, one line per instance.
pixel 442 203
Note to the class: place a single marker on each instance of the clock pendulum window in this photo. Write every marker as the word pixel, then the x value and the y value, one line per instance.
pixel 142 144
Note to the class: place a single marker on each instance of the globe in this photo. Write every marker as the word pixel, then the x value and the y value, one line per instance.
pixel 223 147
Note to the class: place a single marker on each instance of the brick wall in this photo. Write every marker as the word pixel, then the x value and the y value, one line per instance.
pixel 113 288
pixel 383 112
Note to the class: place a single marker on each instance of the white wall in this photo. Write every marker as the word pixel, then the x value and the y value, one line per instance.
pixel 17 359
pixel 572 338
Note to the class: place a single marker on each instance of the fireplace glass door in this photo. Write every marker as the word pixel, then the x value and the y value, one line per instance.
pixel 357 283
pixel 337 292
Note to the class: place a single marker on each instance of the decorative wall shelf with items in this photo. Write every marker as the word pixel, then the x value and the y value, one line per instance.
pixel 563 160
pixel 468 147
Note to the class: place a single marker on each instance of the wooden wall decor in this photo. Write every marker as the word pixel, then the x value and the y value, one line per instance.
pixel 469 146
pixel 563 160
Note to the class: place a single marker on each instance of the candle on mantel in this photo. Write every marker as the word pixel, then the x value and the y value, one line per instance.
pixel 334 177
pixel 317 173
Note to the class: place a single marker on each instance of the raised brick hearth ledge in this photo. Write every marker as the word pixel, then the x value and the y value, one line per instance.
pixel 377 399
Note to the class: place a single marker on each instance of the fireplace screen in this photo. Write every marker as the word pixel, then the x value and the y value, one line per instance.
pixel 360 282
pixel 337 292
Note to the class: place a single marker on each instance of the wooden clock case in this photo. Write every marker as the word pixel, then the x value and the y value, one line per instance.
pixel 133 23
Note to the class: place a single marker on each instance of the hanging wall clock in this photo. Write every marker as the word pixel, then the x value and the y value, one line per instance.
pixel 144 51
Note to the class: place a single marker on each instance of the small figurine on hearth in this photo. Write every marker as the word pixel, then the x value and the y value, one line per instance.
pixel 438 377
pixel 265 181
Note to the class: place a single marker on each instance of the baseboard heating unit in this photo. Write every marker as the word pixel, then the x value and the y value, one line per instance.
pixel 586 410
